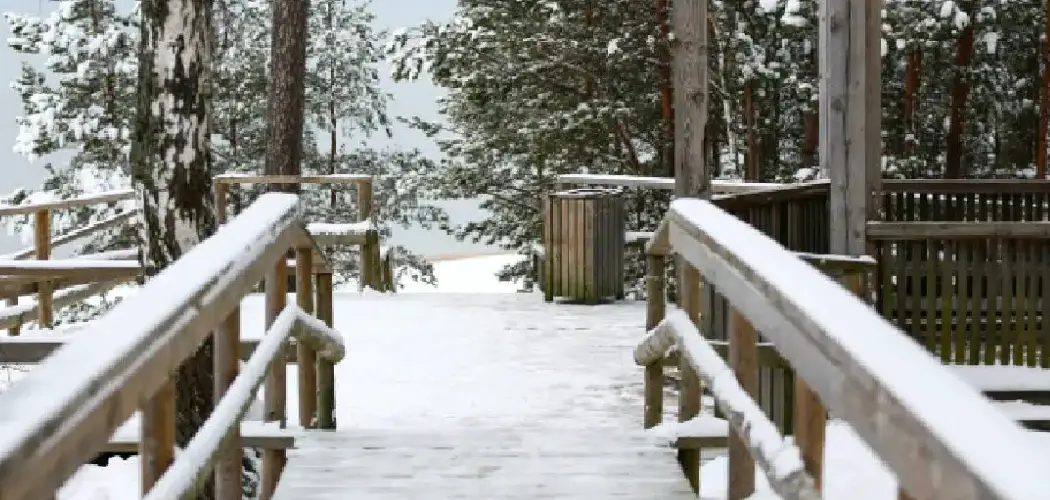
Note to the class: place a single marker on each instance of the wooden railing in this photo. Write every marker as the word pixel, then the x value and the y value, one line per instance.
pixel 658 183
pixel 901 401
pixel 60 283
pixel 376 261
pixel 64 412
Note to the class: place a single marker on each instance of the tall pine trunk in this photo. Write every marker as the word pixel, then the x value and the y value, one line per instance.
pixel 171 165
pixel 286 89
pixel 953 168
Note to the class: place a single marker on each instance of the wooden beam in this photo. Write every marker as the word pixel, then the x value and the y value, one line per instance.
pixel 342 179
pixel 849 116
pixel 689 63
pixel 956 230
pixel 92 199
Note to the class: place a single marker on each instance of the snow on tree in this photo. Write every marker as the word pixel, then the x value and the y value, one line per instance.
pixel 86 105
pixel 537 89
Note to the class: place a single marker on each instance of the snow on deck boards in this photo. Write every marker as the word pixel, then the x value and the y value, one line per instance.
pixel 481 463
pixel 482 396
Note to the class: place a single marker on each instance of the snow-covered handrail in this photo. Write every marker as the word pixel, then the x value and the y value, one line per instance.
pixel 662 183
pixel 235 178
pixel 57 417
pixel 863 369
pixel 191 468
pixel 77 234
pixel 779 459
pixel 361 232
pixel 69 268
pixel 80 201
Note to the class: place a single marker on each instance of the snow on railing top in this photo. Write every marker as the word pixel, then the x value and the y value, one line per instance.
pixel 663 183
pixel 87 388
pixel 90 199
pixel 236 178
pixel 185 473
pixel 779 459
pixel 895 395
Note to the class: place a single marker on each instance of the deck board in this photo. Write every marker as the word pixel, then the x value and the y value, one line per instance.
pixel 480 396
pixel 481 463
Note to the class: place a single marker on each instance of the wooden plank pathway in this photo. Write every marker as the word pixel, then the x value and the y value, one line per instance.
pixel 481 464
pixel 484 396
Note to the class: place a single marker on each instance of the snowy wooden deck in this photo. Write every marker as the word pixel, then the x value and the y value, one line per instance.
pixel 483 396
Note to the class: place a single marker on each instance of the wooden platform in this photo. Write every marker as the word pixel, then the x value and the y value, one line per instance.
pixel 480 463
pixel 482 396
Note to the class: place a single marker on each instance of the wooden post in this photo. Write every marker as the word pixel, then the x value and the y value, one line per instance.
pixel 689 70
pixel 157 446
pixel 306 357
pixel 364 200
pixel 220 203
pixel 45 293
pixel 275 401
pixel 743 358
pixel 325 369
pixel 850 128
pixel 810 426
pixel 691 389
pixel 17 329
pixel 364 213
pixel 227 365
pixel 850 117
pixel 655 310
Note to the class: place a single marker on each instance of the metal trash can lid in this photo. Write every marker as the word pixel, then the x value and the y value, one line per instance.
pixel 589 193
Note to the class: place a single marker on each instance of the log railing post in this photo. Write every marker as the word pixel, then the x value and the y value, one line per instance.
pixel 325 368
pixel 274 401
pixel 305 356
pixel 220 203
pixel 227 363
pixel 655 309
pixel 743 358
pixel 45 293
pixel 157 443
pixel 691 389
pixel 16 329
pixel 370 248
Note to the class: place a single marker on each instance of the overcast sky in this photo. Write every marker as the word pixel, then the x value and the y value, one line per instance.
pixel 410 99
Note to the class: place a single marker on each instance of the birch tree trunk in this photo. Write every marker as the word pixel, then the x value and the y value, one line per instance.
pixel 171 167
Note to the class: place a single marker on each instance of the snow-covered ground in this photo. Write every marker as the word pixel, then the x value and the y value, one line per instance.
pixel 851 470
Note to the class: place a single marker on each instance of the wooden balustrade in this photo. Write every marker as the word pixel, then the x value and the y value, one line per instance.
pixel 362 232
pixel 93 388
pixel 95 279
pixel 851 361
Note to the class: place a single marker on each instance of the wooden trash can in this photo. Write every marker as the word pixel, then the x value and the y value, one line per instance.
pixel 583 242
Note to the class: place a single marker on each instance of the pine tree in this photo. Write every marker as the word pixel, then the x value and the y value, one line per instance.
pixel 87 107
pixel 538 89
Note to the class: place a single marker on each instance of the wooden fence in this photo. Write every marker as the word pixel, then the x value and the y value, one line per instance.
pixel 376 261
pixel 851 360
pixel 90 389
pixel 963 267
pixel 57 283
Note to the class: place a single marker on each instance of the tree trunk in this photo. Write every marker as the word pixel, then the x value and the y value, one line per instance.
pixel 957 113
pixel 171 165
pixel 286 90
pixel 666 90
pixel 1044 99
pixel 911 101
